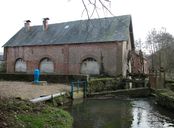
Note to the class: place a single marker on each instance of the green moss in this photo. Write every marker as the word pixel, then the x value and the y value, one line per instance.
pixel 165 97
pixel 102 84
pixel 170 85
pixel 165 92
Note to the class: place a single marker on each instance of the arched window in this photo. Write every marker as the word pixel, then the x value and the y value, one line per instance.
pixel 20 65
pixel 90 66
pixel 46 65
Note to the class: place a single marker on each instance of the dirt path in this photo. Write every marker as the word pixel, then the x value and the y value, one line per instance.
pixel 26 90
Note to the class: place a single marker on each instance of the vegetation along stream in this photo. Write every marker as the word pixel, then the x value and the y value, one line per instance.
pixel 120 113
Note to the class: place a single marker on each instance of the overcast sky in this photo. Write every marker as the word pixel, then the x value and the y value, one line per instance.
pixel 146 14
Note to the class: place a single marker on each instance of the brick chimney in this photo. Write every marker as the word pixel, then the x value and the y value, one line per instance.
pixel 45 24
pixel 27 25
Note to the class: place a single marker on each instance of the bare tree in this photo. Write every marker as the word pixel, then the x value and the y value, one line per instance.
pixel 160 45
pixel 157 40
pixel 92 7
pixel 138 44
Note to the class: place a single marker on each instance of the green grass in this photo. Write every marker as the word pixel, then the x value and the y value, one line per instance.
pixel 16 113
pixel 48 118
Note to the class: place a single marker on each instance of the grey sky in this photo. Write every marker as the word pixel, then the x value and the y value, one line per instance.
pixel 146 14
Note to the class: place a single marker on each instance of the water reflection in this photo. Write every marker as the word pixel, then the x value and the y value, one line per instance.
pixel 114 113
pixel 148 115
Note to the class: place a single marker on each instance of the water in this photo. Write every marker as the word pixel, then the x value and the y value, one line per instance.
pixel 120 113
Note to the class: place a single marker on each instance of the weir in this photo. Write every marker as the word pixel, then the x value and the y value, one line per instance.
pixel 133 92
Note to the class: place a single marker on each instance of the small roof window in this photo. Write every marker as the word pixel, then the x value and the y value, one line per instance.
pixel 66 27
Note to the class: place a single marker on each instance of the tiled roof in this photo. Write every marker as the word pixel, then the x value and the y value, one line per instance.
pixel 117 28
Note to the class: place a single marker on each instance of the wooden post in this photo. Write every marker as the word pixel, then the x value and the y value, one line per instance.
pixel 72 89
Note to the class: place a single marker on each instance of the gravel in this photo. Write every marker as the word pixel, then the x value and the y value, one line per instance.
pixel 26 90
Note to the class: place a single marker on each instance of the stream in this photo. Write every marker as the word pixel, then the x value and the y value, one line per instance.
pixel 120 113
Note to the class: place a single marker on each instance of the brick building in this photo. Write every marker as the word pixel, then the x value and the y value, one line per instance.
pixel 139 63
pixel 92 46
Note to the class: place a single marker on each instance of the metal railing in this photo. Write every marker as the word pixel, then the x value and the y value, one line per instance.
pixel 78 86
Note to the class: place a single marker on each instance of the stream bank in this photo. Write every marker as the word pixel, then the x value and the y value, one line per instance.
pixel 17 113
pixel 165 98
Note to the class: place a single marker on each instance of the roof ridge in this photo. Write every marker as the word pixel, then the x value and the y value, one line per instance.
pixel 85 20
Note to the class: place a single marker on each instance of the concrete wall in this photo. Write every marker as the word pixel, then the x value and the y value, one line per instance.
pixel 50 78
pixel 67 59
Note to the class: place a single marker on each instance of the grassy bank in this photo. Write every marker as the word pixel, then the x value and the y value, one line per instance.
pixel 16 113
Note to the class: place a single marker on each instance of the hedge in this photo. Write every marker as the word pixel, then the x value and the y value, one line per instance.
pixel 102 84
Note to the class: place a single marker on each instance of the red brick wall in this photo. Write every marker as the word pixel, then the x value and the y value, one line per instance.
pixel 67 58
pixel 137 66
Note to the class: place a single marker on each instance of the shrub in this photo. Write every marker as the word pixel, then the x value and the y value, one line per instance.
pixel 102 84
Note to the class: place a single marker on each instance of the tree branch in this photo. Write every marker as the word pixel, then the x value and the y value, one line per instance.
pixel 103 5
pixel 86 9
pixel 94 4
